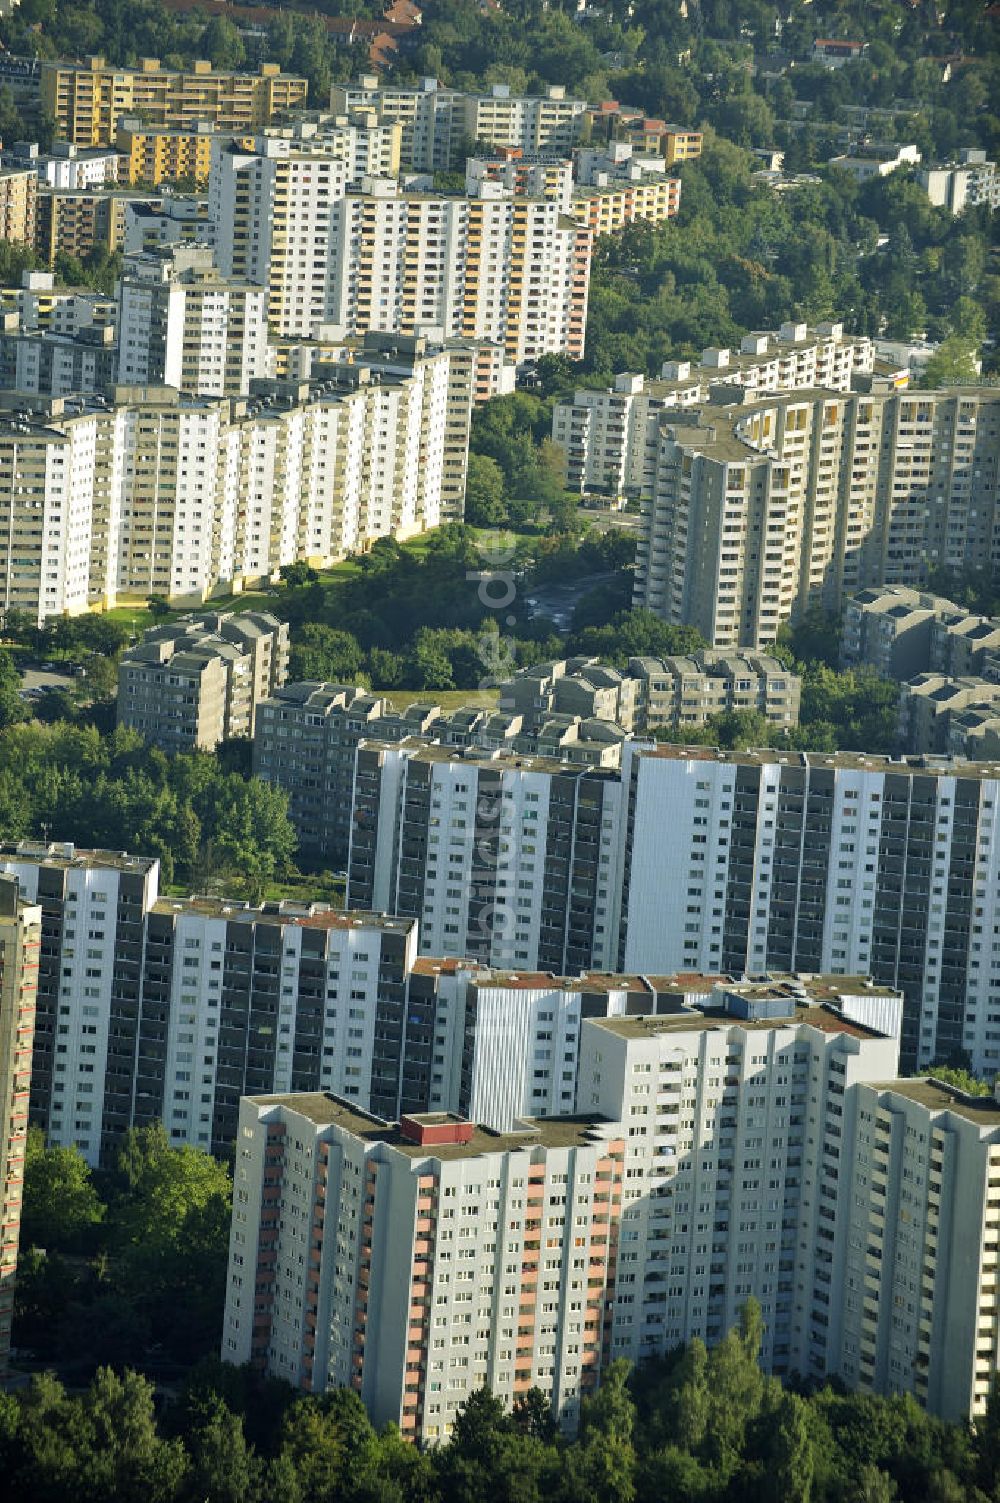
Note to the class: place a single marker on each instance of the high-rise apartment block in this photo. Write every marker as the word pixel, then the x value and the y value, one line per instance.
pixel 40 363
pixel 182 324
pixel 437 123
pixel 274 206
pixel 347 256
pixel 789 862
pixel 759 1146
pixel 156 1009
pixel 307 734
pixel 737 1153
pixel 514 271
pixel 439 1256
pixel 760 510
pixel 88 100
pixel 18 204
pixel 610 437
pixel 154 154
pixel 506 859
pixel 199 680
pixel 918 1313
pixel 163 493
pixel 20 938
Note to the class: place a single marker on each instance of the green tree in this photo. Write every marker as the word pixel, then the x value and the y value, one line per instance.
pixel 222 44
pixel 223 1467
pixel 954 362
pixel 792 1466
pixel 61 1210
pixel 171 1236
pixel 12 708
pixel 323 653
pixel 484 492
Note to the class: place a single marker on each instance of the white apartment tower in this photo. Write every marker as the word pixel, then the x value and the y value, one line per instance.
pixel 162 492
pixel 418 1262
pixel 736 1151
pixel 273 209
pixel 52 506
pixel 181 324
pixel 512 271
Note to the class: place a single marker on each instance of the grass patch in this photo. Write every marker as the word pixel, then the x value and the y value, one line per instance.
pixel 448 699
pixel 299 887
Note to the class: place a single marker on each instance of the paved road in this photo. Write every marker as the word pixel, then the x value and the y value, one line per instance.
pixel 37 678
pixel 606 520
pixel 558 601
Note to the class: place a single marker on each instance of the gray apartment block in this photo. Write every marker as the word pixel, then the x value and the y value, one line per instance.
pixel 902 632
pixel 932 704
pixel 889 628
pixel 307 735
pixel 198 681
pixel 962 643
pixel 671 691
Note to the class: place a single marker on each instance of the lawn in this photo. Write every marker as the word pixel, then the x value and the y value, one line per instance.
pixel 448 699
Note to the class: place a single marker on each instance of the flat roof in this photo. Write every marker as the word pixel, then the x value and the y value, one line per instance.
pixel 823 1018
pixel 982 1110
pixel 67 855
pixel 305 915
pixel 326 1110
pixel 927 766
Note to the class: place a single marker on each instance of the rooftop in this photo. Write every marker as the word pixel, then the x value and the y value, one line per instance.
pixel 288 911
pixel 64 854
pixel 984 1111
pixel 926 766
pixel 325 1110
pixel 824 1018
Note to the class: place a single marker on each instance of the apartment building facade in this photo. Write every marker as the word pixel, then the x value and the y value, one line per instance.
pixel 761 1147
pixel 18 205
pixel 671 691
pixel 164 493
pixel 182 324
pixel 20 940
pixel 735 1131
pixel 154 154
pixel 50 497
pixel 153 1009
pixel 919 1314
pixel 759 511
pixel 610 437
pixel 40 363
pixel 272 205
pixel 822 863
pixel 437 123
pixel 440 1257
pixel 785 862
pixel 970 181
pixel 512 271
pixel 506 859
pixel 197 682
pixel 87 100
pixel 889 628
